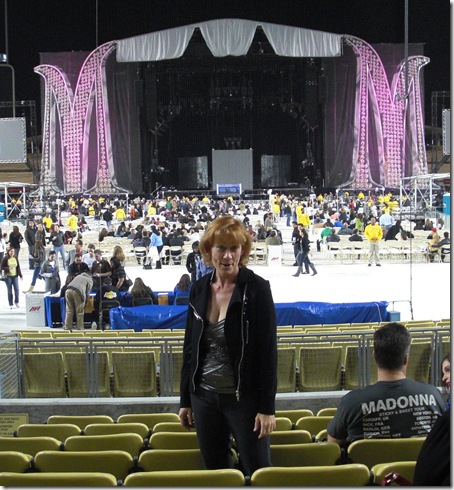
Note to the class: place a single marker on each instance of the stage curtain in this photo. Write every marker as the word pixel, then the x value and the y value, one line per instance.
pixel 162 45
pixel 298 42
pixel 229 37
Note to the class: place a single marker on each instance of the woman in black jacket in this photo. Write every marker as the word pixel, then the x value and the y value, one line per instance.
pixel 229 373
pixel 15 239
pixel 303 255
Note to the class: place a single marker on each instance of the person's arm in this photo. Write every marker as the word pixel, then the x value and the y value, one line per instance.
pixel 340 442
pixel 265 316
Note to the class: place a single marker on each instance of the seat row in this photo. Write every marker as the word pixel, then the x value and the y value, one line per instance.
pixel 312 465
pixel 146 370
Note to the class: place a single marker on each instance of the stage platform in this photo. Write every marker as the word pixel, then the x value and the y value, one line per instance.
pixel 300 313
pixel 246 195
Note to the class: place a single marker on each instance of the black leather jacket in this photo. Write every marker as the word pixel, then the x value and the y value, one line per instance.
pixel 250 331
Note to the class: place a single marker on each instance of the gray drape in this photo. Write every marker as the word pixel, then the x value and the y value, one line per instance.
pixel 232 37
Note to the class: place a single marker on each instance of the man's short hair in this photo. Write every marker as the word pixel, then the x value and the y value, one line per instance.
pixel 77 255
pixel 97 251
pixel 91 246
pixel 391 345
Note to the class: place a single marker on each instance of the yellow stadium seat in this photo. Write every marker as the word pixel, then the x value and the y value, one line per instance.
pixel 294 415
pixel 134 373
pixel 80 420
pixel 313 424
pixel 116 462
pixel 171 460
pixel 169 427
pixel 76 363
pixel 327 412
pixel 15 461
pixel 57 480
pixel 374 451
pixel 174 440
pixel 149 419
pixel 313 454
pixel 320 368
pixel 286 369
pixel 403 468
pixel 348 475
pixel 44 375
pixel 290 437
pixel 57 431
pixel 283 423
pixel 29 445
pixel 131 443
pixel 191 478
pixel 124 428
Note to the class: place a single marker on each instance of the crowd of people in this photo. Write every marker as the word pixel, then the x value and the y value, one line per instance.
pixel 229 373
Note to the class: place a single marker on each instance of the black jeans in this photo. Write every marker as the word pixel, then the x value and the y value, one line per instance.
pixel 218 417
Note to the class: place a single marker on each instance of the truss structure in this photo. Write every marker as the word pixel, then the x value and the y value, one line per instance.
pixel 417 193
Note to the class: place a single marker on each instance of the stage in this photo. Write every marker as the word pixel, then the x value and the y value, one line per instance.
pixel 299 313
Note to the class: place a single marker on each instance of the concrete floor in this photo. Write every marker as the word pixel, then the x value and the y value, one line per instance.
pixel 426 285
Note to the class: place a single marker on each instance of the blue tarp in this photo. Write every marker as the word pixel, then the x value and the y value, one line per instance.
pixel 300 313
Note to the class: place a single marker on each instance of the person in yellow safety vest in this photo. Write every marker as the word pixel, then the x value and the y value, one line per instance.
pixel 91 210
pixel 305 220
pixel 374 233
pixel 276 211
pixel 72 223
pixel 120 214
pixel 47 221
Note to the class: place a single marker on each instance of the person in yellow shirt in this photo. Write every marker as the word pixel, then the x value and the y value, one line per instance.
pixel 151 209
pixel 72 223
pixel 120 214
pixel 374 234
pixel 47 221
pixel 305 220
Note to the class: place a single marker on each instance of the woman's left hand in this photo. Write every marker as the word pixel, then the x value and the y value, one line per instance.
pixel 266 423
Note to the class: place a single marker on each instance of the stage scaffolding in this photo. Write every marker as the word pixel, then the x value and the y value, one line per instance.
pixel 417 195
pixel 14 193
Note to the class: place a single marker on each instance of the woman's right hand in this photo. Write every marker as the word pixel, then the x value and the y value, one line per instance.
pixel 186 418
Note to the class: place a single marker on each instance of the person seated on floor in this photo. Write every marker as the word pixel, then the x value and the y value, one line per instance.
pixel 105 294
pixel 140 290
pixel 77 267
pixel 392 407
pixel 183 286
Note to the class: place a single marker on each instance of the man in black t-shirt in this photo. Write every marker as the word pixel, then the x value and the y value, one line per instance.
pixel 395 406
pixel 100 270
pixel 77 267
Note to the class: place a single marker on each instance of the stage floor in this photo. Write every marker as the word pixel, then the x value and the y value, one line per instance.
pixel 427 284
